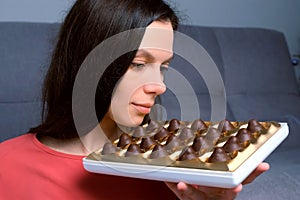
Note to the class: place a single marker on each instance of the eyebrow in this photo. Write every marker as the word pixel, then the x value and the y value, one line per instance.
pixel 144 52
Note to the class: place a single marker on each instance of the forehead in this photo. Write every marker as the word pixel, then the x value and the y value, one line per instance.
pixel 158 35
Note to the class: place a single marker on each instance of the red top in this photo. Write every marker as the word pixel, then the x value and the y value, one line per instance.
pixel 31 170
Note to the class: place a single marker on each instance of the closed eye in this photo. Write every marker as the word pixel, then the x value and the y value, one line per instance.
pixel 138 65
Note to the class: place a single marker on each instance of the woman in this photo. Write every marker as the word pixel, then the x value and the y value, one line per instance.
pixel 47 162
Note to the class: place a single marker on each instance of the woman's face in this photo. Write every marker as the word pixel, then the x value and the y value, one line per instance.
pixel 135 93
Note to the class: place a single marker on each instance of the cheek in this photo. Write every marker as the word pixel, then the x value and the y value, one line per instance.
pixel 120 109
pixel 122 93
pixel 125 114
pixel 129 89
pixel 124 89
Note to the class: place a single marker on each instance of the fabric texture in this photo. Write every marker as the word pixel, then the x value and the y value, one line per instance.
pixel 254 64
pixel 25 51
pixel 281 108
pixel 31 170
pixel 282 181
pixel 256 61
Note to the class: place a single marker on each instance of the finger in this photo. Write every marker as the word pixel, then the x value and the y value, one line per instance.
pixel 237 189
pixel 221 193
pixel 232 193
pixel 184 191
pixel 258 171
pixel 190 191
pixel 173 187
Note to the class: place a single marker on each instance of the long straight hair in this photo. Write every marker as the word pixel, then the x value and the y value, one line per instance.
pixel 88 23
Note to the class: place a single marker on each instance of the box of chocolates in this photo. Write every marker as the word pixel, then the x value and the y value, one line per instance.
pixel 219 154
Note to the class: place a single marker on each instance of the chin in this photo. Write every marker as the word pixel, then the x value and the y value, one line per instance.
pixel 131 122
pixel 137 120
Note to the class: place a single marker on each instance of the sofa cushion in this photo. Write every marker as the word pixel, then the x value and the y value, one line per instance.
pixel 191 83
pixel 280 182
pixel 282 108
pixel 25 49
pixel 205 38
pixel 256 61
pixel 189 107
pixel 18 117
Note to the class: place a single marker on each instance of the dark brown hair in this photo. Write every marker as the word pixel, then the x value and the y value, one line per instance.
pixel 88 23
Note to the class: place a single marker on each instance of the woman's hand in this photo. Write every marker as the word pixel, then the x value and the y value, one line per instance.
pixel 184 191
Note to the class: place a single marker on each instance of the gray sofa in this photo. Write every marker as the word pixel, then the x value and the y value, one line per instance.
pixel 254 64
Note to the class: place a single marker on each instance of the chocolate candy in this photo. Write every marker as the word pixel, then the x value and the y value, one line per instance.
pixel 162 134
pixel 199 125
pixel 188 154
pixel 219 155
pixel 139 132
pixel 109 148
pixel 152 126
pixel 254 126
pixel 195 144
pixel 212 135
pixel 174 125
pixel 186 134
pixel 133 150
pixel 201 145
pixel 232 146
pixel 147 143
pixel 173 143
pixel 244 136
pixel 124 140
pixel 158 151
pixel 226 128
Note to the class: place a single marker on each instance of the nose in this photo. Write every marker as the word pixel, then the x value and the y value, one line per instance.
pixel 155 84
pixel 155 88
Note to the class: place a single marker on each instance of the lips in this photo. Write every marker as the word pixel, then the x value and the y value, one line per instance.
pixel 143 108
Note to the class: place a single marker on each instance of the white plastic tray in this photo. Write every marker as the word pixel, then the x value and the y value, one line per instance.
pixel 213 178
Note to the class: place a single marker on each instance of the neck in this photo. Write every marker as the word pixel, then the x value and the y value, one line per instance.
pixel 69 146
pixel 106 131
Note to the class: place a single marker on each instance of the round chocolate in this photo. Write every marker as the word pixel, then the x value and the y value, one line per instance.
pixel 124 140
pixel 133 150
pixel 162 134
pixel 199 125
pixel 232 144
pixel 172 143
pixel 186 134
pixel 147 143
pixel 188 154
pixel 108 148
pixel 212 135
pixel 158 152
pixel 225 125
pixel 200 144
pixel 174 125
pixel 139 132
pixel 153 125
pixel 244 135
pixel 254 126
pixel 218 155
